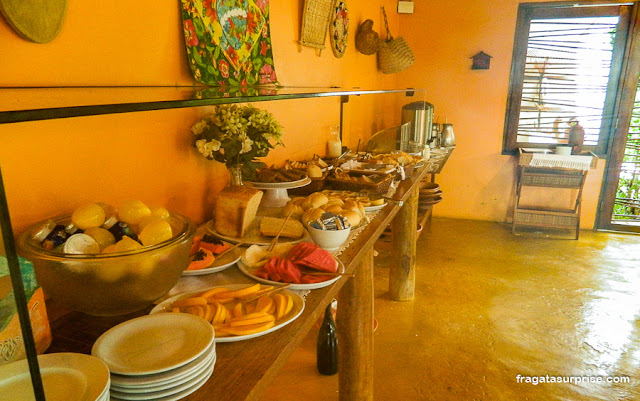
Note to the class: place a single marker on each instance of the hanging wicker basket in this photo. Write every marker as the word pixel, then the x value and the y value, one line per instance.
pixel 367 40
pixel 315 23
pixel 394 54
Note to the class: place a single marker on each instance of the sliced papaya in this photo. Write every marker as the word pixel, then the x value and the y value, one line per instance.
pixel 195 244
pixel 213 244
pixel 201 260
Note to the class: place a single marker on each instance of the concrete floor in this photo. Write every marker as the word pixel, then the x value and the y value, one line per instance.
pixel 490 306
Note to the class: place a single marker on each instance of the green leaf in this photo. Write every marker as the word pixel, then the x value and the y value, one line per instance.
pixel 216 53
pixel 233 82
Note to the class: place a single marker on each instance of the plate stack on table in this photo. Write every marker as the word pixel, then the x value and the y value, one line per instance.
pixel 149 362
pixel 65 376
pixel 430 194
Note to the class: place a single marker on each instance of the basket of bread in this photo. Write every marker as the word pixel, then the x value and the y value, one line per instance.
pixel 397 159
pixel 316 169
pixel 373 183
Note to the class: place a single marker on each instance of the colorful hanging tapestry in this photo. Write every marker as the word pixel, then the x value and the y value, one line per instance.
pixel 228 42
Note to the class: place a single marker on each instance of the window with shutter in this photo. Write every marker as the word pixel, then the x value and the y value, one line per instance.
pixel 565 72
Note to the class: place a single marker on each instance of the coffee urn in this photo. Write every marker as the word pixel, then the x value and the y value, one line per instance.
pixel 420 115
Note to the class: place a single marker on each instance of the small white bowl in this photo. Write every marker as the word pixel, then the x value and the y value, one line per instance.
pixel 563 150
pixel 329 240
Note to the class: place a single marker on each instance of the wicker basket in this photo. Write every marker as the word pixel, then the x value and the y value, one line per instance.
pixel 367 40
pixel 394 54
pixel 316 185
pixel 315 23
pixel 378 188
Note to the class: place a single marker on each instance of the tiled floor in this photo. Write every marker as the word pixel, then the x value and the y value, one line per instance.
pixel 490 306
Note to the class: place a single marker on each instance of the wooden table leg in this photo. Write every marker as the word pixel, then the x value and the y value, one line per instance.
pixel 402 275
pixel 355 333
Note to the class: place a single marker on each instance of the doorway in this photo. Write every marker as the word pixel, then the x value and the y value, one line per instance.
pixel 619 208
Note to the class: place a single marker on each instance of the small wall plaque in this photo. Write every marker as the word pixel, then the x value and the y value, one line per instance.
pixel 481 61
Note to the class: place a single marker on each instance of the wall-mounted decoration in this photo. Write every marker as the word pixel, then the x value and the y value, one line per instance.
pixel 367 40
pixel 394 54
pixel 481 61
pixel 39 21
pixel 228 42
pixel 339 27
pixel 315 22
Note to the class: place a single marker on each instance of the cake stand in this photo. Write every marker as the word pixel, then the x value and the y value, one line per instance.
pixel 276 194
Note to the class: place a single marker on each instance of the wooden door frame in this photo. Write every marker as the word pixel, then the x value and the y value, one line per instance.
pixel 628 86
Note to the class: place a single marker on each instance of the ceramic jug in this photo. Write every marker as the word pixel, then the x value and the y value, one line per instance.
pixel 446 136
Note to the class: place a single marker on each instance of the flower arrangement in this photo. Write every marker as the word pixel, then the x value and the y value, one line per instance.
pixel 237 135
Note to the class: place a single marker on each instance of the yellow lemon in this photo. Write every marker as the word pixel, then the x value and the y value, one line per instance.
pixel 91 215
pixel 103 237
pixel 155 232
pixel 132 211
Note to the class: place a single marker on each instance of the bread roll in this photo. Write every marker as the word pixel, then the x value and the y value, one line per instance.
pixel 351 205
pixel 377 202
pixel 314 171
pixel 352 217
pixel 295 210
pixel 311 215
pixel 306 204
pixel 333 209
pixel 318 199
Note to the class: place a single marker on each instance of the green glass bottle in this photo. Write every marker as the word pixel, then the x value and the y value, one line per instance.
pixel 327 345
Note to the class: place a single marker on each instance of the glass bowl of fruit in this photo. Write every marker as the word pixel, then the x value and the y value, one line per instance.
pixel 108 261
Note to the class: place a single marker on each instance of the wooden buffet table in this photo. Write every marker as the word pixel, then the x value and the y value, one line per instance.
pixel 245 369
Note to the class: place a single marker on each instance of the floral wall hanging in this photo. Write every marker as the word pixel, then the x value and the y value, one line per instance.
pixel 228 42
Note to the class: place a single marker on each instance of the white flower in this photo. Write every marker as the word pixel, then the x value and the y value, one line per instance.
pixel 212 146
pixel 200 144
pixel 246 145
pixel 199 127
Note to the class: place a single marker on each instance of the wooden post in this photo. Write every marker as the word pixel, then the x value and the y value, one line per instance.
pixel 355 333
pixel 402 275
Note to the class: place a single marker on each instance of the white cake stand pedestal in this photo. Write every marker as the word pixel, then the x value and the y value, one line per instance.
pixel 275 193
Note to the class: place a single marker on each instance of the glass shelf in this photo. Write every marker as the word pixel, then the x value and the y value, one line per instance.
pixel 45 103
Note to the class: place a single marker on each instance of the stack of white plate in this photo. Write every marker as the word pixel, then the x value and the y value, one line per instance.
pixel 164 356
pixel 65 376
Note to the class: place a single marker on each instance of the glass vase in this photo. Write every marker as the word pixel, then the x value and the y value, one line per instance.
pixel 235 175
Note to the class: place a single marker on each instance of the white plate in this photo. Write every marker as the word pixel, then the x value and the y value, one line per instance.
pixel 210 363
pixel 249 272
pixel 178 396
pixel 369 209
pixel 252 236
pixel 65 376
pixel 170 378
pixel 153 343
pixel 145 394
pixel 298 307
pixel 219 265
pixel 279 185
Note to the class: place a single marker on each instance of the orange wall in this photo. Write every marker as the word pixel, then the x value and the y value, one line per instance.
pixel 50 167
pixel 478 182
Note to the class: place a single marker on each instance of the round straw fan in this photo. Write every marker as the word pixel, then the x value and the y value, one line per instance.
pixel 35 20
